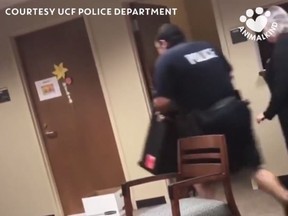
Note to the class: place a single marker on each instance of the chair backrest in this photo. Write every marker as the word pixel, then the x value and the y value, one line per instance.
pixel 202 155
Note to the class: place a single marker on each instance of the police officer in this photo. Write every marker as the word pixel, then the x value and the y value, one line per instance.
pixel 196 76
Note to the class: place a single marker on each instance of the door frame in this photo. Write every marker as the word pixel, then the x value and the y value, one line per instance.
pixel 141 73
pixel 29 100
pixel 130 29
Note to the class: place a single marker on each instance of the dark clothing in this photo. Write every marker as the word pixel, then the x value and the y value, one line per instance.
pixel 277 80
pixel 283 118
pixel 236 125
pixel 196 77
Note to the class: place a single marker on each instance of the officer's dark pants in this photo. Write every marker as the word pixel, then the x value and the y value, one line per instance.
pixel 235 124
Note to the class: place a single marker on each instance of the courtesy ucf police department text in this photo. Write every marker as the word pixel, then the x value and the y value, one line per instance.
pixel 89 11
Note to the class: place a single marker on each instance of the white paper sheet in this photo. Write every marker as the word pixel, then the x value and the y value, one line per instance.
pixel 48 88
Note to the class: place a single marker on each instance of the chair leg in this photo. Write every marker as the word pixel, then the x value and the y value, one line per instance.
pixel 230 198
pixel 128 205
pixel 175 207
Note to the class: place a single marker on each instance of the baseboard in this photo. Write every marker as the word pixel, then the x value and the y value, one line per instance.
pixel 150 202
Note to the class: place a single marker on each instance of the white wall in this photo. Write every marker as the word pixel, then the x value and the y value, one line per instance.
pixel 27 188
pixel 246 62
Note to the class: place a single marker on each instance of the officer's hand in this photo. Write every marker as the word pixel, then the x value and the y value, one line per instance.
pixel 260 118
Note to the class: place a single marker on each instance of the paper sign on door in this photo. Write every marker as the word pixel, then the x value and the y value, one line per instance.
pixel 48 88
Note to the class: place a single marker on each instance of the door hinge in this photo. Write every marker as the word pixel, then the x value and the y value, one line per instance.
pixel 135 25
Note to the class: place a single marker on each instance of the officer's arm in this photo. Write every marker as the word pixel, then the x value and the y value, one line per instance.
pixel 227 66
pixel 164 85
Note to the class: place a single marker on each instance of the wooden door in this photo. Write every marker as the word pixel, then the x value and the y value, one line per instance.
pixel 144 31
pixel 76 127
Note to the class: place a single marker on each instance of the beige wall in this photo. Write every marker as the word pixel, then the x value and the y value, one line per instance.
pixel 26 185
pixel 245 60
pixel 202 21
pixel 181 18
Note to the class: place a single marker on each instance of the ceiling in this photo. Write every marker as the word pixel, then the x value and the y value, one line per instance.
pixel 7 3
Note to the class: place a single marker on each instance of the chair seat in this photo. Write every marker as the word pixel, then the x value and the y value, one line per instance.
pixel 188 207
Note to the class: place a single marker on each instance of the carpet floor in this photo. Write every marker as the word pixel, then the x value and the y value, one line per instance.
pixel 251 202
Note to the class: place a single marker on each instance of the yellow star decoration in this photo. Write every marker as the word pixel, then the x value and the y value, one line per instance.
pixel 59 71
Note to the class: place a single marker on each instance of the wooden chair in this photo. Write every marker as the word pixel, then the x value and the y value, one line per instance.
pixel 201 159
pixel 198 157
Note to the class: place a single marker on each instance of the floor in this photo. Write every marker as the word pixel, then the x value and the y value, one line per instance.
pixel 252 202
